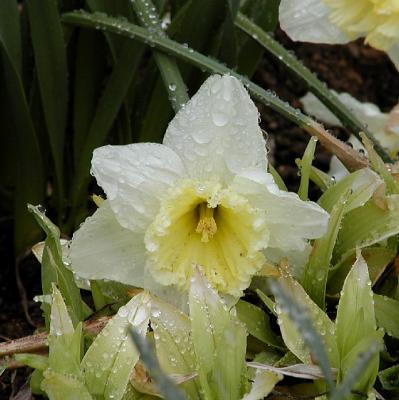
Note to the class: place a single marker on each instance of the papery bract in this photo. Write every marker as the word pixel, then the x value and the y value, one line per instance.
pixel 204 196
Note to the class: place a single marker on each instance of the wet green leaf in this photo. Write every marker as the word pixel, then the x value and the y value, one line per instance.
pixel 356 325
pixel 387 314
pixel 54 270
pixel 361 184
pixel 257 323
pixel 219 340
pixel 306 329
pixel 306 165
pixel 173 343
pixel 109 361
pixel 317 269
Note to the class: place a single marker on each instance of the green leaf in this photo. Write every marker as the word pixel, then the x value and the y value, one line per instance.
pixel 367 225
pixel 257 323
pixel 356 325
pixel 306 165
pixel 60 387
pixel 165 385
pixel 265 14
pixel 387 314
pixel 378 164
pixel 317 269
pixel 10 33
pixel 89 74
pixel 298 318
pixel 35 361
pixel 109 361
pixel 63 378
pixel 277 178
pixel 389 379
pixel 303 74
pixel 51 69
pixel 355 374
pixel 377 259
pixel 173 343
pixel 318 177
pixel 29 174
pixel 347 155
pixel 54 270
pixel 168 68
pixel 362 184
pixel 219 340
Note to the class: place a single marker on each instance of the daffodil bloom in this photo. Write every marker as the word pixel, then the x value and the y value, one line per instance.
pixel 202 197
pixel 340 21
pixel 384 126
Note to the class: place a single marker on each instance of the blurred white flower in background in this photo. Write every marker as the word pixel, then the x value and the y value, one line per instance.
pixel 384 126
pixel 203 196
pixel 341 21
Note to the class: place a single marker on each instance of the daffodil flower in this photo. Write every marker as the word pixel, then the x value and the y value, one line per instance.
pixel 340 21
pixel 384 126
pixel 202 197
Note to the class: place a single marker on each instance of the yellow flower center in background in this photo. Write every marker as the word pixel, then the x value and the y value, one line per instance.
pixel 214 227
pixel 377 20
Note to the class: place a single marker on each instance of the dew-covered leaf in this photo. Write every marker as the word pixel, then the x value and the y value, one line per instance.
pixel 257 323
pixel 356 325
pixel 63 377
pixel 317 269
pixel 314 316
pixel 367 225
pixel 173 343
pixel 362 184
pixel 54 270
pixel 219 341
pixel 109 361
pixel 387 314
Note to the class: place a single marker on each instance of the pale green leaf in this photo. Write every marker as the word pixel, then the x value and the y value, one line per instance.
pixel 387 314
pixel 316 270
pixel 356 325
pixel 305 168
pixel 219 340
pixel 108 363
pixel 173 343
pixel 257 323
pixel 320 321
pixel 369 224
pixel 361 184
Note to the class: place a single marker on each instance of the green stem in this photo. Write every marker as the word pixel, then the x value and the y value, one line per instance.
pixel 174 84
pixel 317 87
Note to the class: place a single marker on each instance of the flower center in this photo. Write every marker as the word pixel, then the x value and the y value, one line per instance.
pixel 206 224
pixel 210 226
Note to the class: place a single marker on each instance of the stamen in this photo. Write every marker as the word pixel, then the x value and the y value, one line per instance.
pixel 206 224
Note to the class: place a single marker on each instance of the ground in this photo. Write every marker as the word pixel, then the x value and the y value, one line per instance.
pixel 359 70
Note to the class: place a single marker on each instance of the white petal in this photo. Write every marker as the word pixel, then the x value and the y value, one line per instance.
pixel 314 107
pixel 308 21
pixel 134 177
pixel 102 249
pixel 217 132
pixel 291 221
pixel 393 54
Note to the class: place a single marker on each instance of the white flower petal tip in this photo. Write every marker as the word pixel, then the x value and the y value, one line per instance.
pixel 309 21
pixel 134 177
pixel 217 132
pixel 290 220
